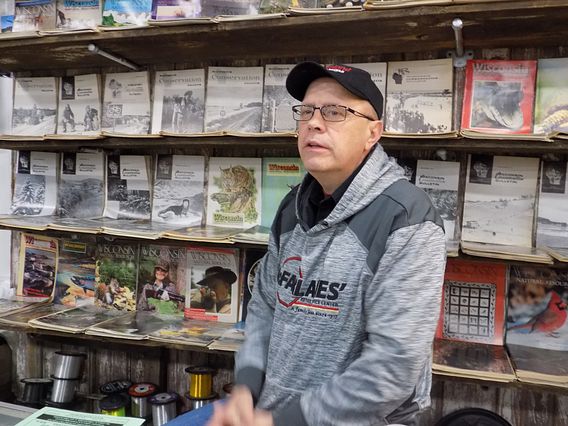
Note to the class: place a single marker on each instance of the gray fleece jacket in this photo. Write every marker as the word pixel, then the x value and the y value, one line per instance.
pixel 343 314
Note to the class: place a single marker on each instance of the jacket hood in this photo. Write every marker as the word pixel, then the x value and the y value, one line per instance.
pixel 379 172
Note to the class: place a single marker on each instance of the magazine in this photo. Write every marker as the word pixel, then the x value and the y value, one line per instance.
pixel 35 106
pixel 132 326
pixel 473 302
pixel 234 192
pixel 182 331
pixel 20 318
pixel 37 266
pixel 279 176
pixel 35 223
pixel 7 11
pixel 137 228
pixel 116 275
pixel 559 253
pixel 499 251
pixel 277 102
pixel 378 71
pixel 71 224
pixel 213 8
pixel 179 101
pixel 78 111
pixel 75 279
pixel 179 190
pixel 74 320
pixel 419 97
pixel 231 340
pixel 552 222
pixel 551 104
pixel 212 234
pixel 128 193
pixel 540 366
pixel 49 416
pixel 119 13
pixel 126 104
pixel 34 15
pixel 175 9
pixel 500 195
pixel 162 277
pixel 81 184
pixel 250 263
pixel 234 99
pixel 255 235
pixel 213 285
pixel 73 15
pixel 498 97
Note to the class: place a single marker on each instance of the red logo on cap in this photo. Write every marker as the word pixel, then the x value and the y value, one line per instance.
pixel 338 68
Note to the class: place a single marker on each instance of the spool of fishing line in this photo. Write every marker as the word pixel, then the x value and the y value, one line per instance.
pixel 139 394
pixel 200 381
pixel 163 407
pixel 114 405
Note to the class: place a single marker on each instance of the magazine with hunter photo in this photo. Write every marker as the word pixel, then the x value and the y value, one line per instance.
pixel 551 104
pixel 35 186
pixel 74 15
pixel 78 111
pixel 498 97
pixel 120 13
pixel 419 97
pixel 552 221
pixel 178 194
pixel 35 106
pixel 37 266
pixel 81 184
pixel 213 284
pixel 126 104
pixel 234 99
pixel 234 192
pixel 34 15
pixel 277 102
pixel 499 202
pixel 179 101
pixel 116 275
pixel 75 279
pixel 162 279
pixel 128 194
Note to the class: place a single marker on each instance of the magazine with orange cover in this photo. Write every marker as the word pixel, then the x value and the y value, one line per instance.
pixel 473 302
pixel 499 96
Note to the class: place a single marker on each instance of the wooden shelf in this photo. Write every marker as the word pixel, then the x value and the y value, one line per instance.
pixel 537 23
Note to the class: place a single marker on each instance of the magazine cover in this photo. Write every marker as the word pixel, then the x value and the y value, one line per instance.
pixel 35 186
pixel 128 187
pixel 37 266
pixel 378 71
pixel 73 320
pixel 161 279
pixel 35 106
pixel 250 262
pixel 552 221
pixel 176 9
pixel 277 102
pixel 213 290
pixel 499 96
pixel 536 311
pixel 75 280
pixel 79 105
pixel 551 105
pixel 500 195
pixel 190 332
pixel 234 192
pixel 135 325
pixel 7 11
pixel 473 302
pixel 34 15
pixel 440 180
pixel 81 184
pixel 116 275
pixel 78 14
pixel 419 97
pixel 279 176
pixel 126 103
pixel 179 101
pixel 179 190
pixel 213 8
pixel 118 13
pixel 234 99
pixel 541 366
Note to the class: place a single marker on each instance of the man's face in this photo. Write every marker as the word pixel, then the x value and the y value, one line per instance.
pixel 220 289
pixel 335 149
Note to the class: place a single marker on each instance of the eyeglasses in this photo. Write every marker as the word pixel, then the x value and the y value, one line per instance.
pixel 328 112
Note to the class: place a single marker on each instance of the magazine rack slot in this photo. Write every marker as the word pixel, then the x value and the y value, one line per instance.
pixel 459 56
pixel 124 62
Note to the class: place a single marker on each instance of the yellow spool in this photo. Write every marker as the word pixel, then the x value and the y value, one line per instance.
pixel 200 381
pixel 118 412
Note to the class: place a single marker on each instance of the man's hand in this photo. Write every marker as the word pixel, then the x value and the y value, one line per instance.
pixel 238 410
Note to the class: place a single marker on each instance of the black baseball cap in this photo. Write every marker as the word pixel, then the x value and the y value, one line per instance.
pixel 355 80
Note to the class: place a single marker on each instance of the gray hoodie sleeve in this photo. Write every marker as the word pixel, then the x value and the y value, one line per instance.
pixel 401 309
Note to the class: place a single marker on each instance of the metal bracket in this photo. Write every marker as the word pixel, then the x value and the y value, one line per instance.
pixel 124 62
pixel 459 56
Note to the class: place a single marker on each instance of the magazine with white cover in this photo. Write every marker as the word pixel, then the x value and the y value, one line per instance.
pixel 35 187
pixel 34 15
pixel 213 290
pixel 118 13
pixel 178 194
pixel 179 101
pixel 6 104
pixel 277 102
pixel 35 106
pixel 234 192
pixel 500 195
pixel 126 103
pixel 175 9
pixel 214 8
pixel 128 187
pixel 7 11
pixel 78 14
pixel 552 220
pixel 78 110
pixel 419 97
pixel 81 184
pixel 378 71
pixel 234 99
pixel 440 180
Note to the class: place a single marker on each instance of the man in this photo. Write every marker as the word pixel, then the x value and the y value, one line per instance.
pixel 346 301
pixel 215 290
